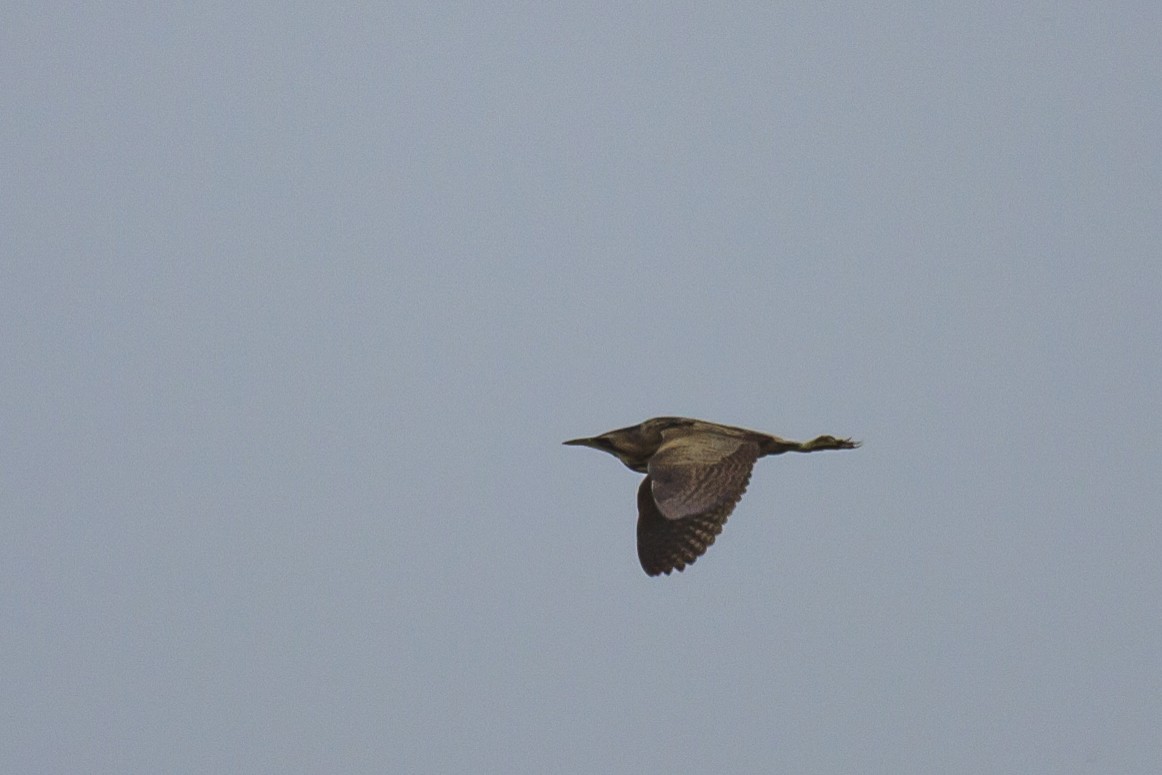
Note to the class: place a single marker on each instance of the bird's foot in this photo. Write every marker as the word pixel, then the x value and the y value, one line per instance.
pixel 830 442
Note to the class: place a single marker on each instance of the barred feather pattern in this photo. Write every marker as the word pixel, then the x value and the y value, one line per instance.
pixel 665 545
pixel 696 476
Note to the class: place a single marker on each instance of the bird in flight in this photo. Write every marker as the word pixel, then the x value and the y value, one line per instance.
pixel 696 472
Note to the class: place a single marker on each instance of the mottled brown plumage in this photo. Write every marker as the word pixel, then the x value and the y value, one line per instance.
pixel 696 472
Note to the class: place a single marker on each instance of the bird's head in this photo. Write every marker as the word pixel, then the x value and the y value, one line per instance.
pixel 629 445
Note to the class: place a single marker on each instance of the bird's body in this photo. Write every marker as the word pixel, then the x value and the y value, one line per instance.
pixel 696 471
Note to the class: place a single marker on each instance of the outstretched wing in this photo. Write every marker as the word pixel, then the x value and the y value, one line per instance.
pixel 692 487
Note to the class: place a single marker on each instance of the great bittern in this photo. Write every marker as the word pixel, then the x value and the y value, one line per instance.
pixel 696 472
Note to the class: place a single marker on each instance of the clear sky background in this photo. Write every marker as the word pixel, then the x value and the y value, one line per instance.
pixel 298 303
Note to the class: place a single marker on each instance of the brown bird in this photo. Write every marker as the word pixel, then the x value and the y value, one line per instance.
pixel 696 472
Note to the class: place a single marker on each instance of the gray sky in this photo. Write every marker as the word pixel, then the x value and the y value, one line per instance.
pixel 297 306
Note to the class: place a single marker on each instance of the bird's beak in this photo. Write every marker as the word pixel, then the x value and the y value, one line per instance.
pixel 582 442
